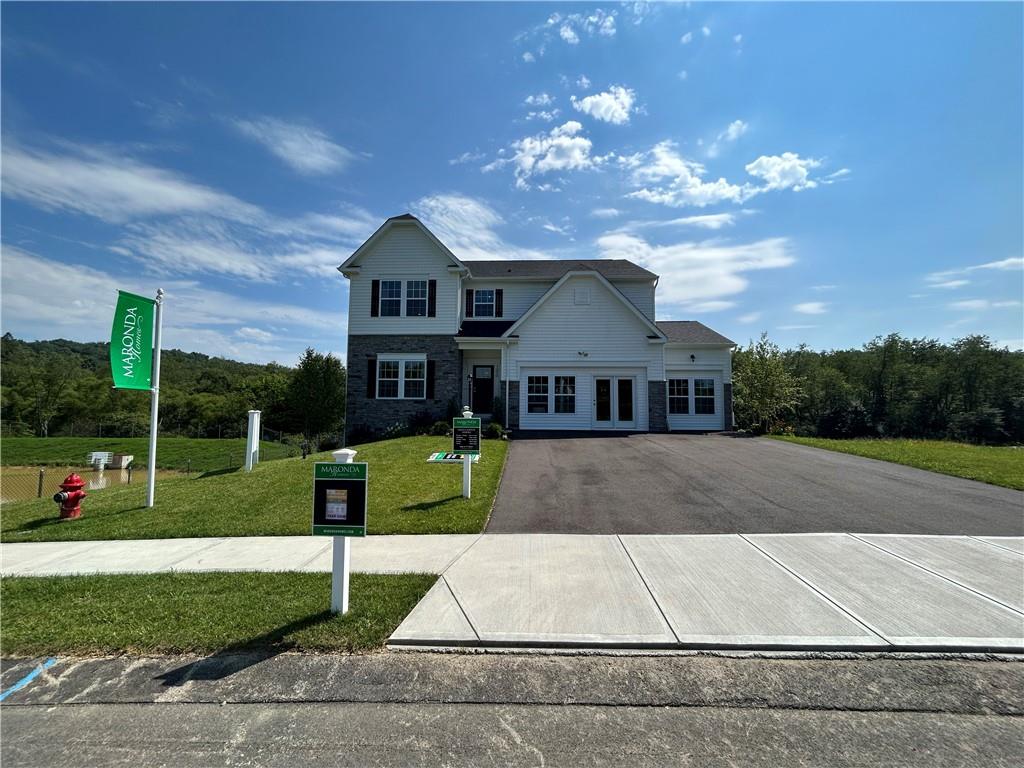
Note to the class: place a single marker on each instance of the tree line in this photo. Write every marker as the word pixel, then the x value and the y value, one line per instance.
pixel 64 388
pixel 968 390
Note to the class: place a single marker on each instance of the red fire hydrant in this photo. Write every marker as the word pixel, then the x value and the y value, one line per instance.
pixel 70 497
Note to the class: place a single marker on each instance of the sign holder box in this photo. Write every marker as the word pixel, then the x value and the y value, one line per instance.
pixel 339 511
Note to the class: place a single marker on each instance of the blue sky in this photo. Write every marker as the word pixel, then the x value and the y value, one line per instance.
pixel 824 172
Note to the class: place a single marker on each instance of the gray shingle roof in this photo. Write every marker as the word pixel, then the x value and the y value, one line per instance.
pixel 690 332
pixel 485 328
pixel 553 269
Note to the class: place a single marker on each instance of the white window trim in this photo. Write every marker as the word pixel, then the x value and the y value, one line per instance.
pixel 406 299
pixel 555 394
pixel 403 297
pixel 402 359
pixel 493 303
pixel 381 298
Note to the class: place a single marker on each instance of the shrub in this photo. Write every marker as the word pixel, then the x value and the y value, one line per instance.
pixel 361 433
pixel 494 431
pixel 982 425
pixel 398 429
pixel 440 428
pixel 421 422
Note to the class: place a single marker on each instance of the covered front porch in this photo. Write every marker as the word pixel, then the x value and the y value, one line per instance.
pixel 483 386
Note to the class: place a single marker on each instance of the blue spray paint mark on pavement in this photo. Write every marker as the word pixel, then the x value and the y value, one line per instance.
pixel 28 678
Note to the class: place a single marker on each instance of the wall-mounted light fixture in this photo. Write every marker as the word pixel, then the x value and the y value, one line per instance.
pixel 693 358
pixel 583 354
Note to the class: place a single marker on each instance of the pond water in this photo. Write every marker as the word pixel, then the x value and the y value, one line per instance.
pixel 23 483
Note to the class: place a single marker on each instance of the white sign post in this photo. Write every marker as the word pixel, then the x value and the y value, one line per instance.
pixel 154 410
pixel 252 441
pixel 341 561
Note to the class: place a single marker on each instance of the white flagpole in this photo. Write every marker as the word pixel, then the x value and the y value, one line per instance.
pixel 154 410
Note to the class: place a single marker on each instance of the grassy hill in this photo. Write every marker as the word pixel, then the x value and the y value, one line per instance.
pixel 406 495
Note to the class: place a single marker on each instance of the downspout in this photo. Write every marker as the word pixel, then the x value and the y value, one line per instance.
pixel 504 373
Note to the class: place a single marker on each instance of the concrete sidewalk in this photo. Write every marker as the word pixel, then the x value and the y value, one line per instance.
pixel 765 591
pixel 373 554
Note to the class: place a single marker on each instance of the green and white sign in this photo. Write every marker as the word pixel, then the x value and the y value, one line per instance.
pixel 339 498
pixel 131 342
pixel 466 436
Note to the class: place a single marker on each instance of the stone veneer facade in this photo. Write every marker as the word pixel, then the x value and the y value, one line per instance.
pixel 377 415
pixel 513 404
pixel 657 406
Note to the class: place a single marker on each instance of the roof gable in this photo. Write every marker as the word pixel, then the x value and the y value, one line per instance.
pixel 615 293
pixel 404 220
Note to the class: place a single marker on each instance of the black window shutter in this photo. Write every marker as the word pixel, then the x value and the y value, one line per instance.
pixel 430 379
pixel 498 295
pixel 375 298
pixel 371 377
pixel 469 302
pixel 432 298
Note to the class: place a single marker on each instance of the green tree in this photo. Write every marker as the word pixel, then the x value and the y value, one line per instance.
pixel 316 394
pixel 765 392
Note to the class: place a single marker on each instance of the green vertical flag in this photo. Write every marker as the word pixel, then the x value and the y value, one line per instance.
pixel 131 342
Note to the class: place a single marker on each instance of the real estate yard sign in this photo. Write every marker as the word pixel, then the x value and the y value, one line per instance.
pixel 466 436
pixel 131 342
pixel 339 499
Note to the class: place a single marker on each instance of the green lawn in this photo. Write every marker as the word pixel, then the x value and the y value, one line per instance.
pixel 201 612
pixel 407 495
pixel 998 465
pixel 172 452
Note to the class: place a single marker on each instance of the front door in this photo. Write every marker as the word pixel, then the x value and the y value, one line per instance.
pixel 483 388
pixel 614 402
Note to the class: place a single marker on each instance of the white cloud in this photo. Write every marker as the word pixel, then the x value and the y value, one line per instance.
pixel 539 100
pixel 683 74
pixel 750 317
pixel 305 148
pixel 697 272
pixel 467 226
pixel 605 213
pixel 732 132
pixel 686 38
pixel 950 284
pixel 785 171
pixel 561 149
pixel 612 106
pixel 796 327
pixel 197 318
pixel 528 57
pixel 737 39
pixel 706 31
pixel 1014 345
pixel 256 334
pixel 543 114
pixel 685 183
pixel 811 308
pixel 567 33
pixel 828 287
pixel 467 157
pixel 982 304
pixel 109 186
pixel 1010 264
pixel 583 81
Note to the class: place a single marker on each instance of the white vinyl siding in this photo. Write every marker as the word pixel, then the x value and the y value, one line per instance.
pixel 640 293
pixel 404 253
pixel 517 295
pixel 704 393
pixel 582 418
pixel 603 333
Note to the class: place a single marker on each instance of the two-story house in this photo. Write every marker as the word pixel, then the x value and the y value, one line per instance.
pixel 555 345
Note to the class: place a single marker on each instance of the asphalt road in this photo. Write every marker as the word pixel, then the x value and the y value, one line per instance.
pixel 648 484
pixel 439 709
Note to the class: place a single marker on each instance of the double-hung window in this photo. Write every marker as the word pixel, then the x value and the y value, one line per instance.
pixel 536 394
pixel 703 395
pixel 678 396
pixel 390 298
pixel 401 377
pixel 483 303
pixel 415 298
pixel 565 394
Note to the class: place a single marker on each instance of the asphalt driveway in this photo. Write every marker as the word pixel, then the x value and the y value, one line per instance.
pixel 717 484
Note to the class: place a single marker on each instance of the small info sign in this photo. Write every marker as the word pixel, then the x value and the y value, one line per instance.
pixel 466 436
pixel 339 499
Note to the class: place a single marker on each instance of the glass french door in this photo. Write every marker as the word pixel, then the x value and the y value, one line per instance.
pixel 614 402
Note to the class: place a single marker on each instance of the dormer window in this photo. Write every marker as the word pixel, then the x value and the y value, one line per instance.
pixel 483 303
pixel 390 298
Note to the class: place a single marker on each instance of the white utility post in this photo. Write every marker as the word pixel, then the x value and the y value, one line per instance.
pixel 154 409
pixel 467 464
pixel 252 441
pixel 342 559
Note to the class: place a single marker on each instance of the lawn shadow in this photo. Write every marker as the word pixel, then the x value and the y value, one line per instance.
pixel 425 505
pixel 238 656
pixel 215 472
